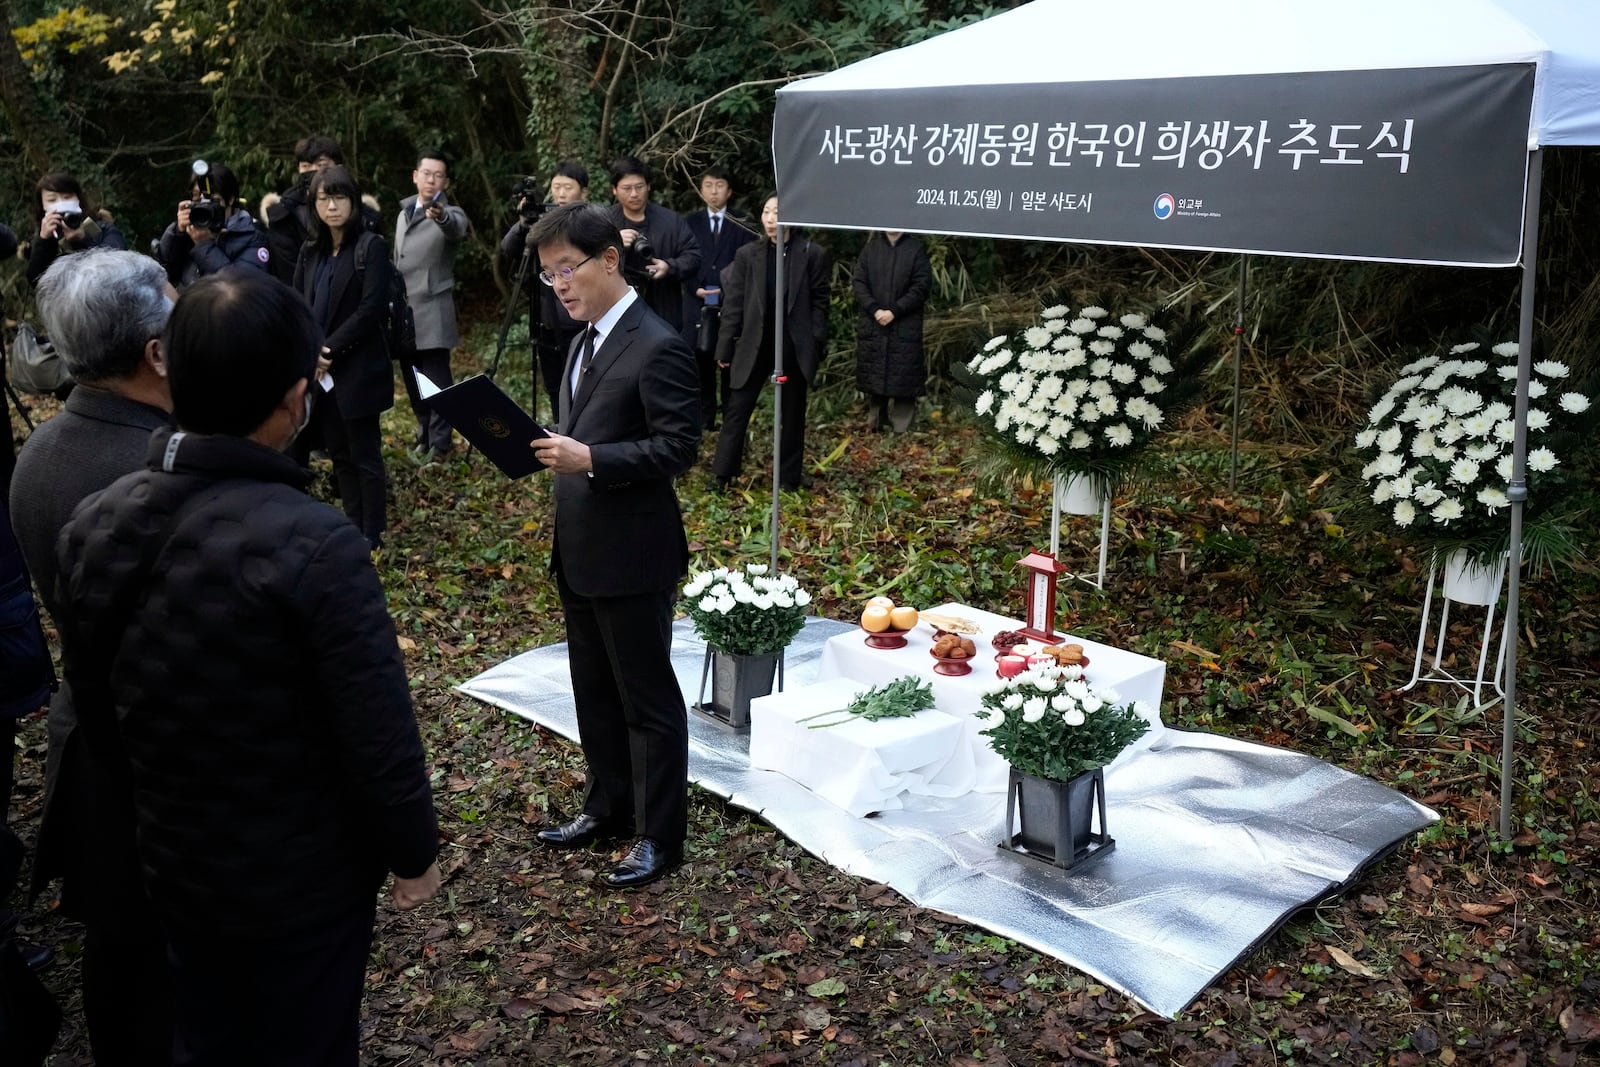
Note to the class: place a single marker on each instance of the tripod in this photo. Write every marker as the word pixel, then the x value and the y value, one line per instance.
pixel 510 315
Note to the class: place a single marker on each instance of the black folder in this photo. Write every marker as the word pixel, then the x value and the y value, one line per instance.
pixel 494 423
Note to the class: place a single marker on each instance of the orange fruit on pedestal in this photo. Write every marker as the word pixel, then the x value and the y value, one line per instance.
pixel 903 617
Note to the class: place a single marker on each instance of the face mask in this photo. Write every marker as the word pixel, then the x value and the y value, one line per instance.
pixel 298 430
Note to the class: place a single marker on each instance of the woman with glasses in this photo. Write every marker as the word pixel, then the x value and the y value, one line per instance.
pixel 343 273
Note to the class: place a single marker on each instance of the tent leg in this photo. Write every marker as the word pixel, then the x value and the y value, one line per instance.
pixel 1238 347
pixel 1517 491
pixel 777 396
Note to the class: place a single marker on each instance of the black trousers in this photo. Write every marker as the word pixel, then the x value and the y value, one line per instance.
pixel 740 403
pixel 356 448
pixel 127 986
pixel 432 431
pixel 632 721
pixel 288 1000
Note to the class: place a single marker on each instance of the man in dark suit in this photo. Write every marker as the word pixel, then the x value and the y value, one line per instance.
pixel 105 312
pixel 720 233
pixel 629 425
pixel 745 344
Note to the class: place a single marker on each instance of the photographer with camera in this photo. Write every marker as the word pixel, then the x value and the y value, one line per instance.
pixel 661 252
pixel 211 231
pixel 552 329
pixel 427 232
pixel 66 224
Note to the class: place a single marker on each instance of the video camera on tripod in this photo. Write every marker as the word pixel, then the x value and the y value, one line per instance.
pixel 528 198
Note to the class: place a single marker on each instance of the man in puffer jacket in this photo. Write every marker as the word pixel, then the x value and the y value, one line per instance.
pixel 228 641
pixel 193 246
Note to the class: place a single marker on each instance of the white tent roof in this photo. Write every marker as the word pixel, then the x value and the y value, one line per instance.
pixel 1063 41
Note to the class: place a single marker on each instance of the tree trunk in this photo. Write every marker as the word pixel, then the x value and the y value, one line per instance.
pixel 46 142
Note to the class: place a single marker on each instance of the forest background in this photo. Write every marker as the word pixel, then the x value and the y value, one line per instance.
pixel 1279 620
pixel 128 95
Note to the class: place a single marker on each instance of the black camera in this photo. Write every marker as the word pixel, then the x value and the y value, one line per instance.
pixel 529 201
pixel 73 219
pixel 636 261
pixel 206 211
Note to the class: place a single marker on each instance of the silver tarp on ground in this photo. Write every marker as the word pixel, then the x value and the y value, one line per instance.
pixel 1218 840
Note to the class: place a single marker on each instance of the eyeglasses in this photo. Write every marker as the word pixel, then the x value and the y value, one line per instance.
pixel 332 198
pixel 564 273
pixel 426 175
pixel 633 187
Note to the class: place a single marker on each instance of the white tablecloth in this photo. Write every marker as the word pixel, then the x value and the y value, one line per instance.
pixel 860 766
pixel 1129 675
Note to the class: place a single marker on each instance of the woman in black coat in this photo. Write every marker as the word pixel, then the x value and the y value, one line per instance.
pixel 343 273
pixel 892 281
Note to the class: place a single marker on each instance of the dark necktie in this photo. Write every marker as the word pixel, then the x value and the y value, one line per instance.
pixel 587 358
pixel 716 226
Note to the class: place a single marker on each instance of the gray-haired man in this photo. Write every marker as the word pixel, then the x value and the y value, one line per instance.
pixel 104 311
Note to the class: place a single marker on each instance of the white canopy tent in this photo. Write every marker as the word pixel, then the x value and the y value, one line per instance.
pixel 1391 130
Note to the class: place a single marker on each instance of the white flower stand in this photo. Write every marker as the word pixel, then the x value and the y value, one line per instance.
pixel 1462 583
pixel 1075 495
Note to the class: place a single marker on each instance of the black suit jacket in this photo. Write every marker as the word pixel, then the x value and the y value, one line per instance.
pixel 716 253
pixel 805 309
pixel 620 532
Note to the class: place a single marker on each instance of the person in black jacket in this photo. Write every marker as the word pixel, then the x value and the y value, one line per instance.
pixel 258 697
pixel 745 344
pixel 189 251
pixel 67 224
pixel 552 328
pixel 892 281
pixel 343 273
pixel 661 252
pixel 720 232
pixel 105 312
pixel 288 215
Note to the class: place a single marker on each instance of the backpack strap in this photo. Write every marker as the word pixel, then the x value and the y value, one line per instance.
pixel 363 243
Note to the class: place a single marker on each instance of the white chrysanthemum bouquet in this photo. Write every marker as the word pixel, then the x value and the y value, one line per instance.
pixel 1438 448
pixel 746 612
pixel 1050 723
pixel 1082 392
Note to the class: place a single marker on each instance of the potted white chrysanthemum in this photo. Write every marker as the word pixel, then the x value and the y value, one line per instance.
pixel 1438 444
pixel 1058 733
pixel 746 617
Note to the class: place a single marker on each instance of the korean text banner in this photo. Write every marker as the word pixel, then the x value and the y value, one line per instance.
pixel 1422 165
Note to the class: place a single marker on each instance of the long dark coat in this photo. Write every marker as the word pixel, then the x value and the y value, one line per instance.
pixel 363 379
pixel 898 277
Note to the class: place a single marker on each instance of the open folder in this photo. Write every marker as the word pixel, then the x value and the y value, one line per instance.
pixel 483 414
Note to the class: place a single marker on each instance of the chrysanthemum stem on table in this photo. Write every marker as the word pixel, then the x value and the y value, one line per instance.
pixel 899 699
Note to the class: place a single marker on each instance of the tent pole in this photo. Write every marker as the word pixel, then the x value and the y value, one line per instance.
pixel 1517 491
pixel 777 385
pixel 1238 345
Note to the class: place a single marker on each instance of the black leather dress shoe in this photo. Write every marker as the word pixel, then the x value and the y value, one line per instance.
pixel 645 862
pixel 579 833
